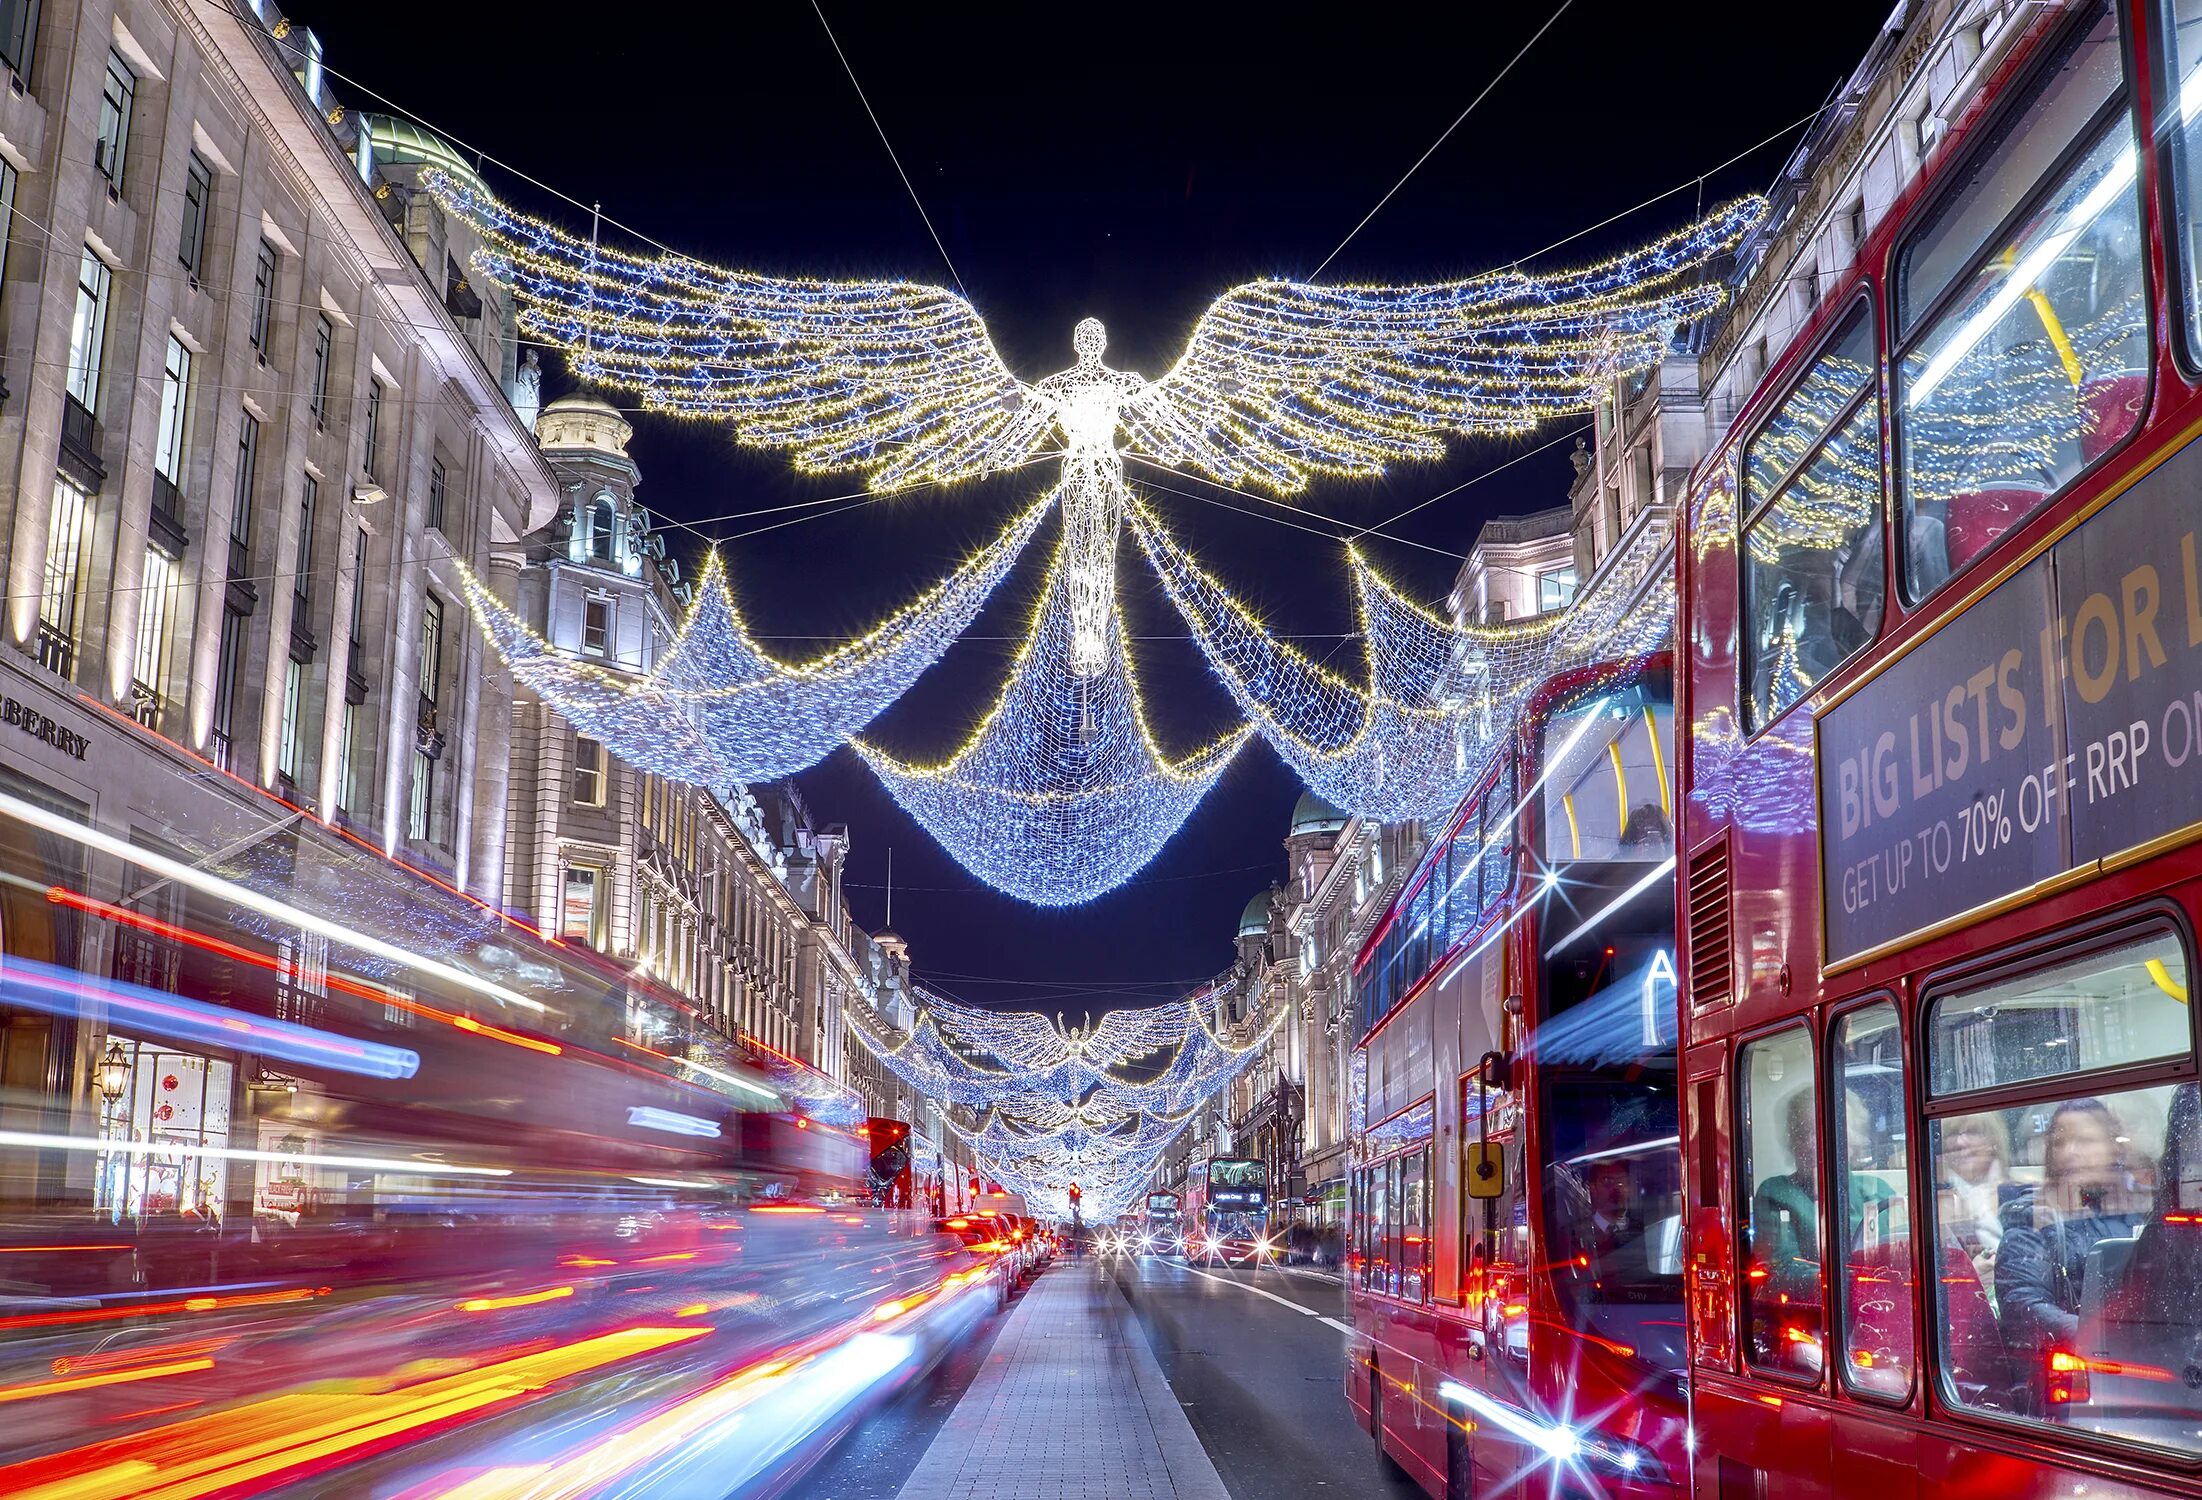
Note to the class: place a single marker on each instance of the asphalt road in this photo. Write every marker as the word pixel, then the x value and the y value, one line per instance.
pixel 1263 1383
pixel 874 1459
pixel 1255 1359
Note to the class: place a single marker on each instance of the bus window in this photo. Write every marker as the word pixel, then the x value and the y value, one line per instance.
pixel 2125 1004
pixel 1876 1277
pixel 1607 795
pixel 1813 570
pixel 2070 1224
pixel 2180 109
pixel 1414 1226
pixel 1782 1304
pixel 2024 349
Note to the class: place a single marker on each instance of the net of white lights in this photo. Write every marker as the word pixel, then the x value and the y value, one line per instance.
pixel 1053 1105
pixel 1062 794
pixel 717 708
pixel 1409 737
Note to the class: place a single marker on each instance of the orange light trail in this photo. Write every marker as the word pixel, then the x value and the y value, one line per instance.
pixel 524 1299
pixel 153 1309
pixel 115 1359
pixel 233 1449
pixel 101 1377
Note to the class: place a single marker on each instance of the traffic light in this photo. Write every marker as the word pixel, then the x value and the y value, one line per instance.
pixel 1075 1195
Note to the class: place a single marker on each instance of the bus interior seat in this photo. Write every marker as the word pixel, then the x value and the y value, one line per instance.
pixel 1973 520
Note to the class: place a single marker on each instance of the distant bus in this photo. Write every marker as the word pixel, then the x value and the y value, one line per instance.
pixel 1163 1224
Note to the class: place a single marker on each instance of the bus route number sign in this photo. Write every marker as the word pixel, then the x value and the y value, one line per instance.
pixel 2053 723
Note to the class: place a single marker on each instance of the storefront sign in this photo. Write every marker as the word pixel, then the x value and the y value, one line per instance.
pixel 38 726
pixel 2056 722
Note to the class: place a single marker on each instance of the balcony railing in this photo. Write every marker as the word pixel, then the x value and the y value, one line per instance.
pixel 56 651
pixel 80 444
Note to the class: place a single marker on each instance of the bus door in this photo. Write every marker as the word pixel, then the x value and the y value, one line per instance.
pixel 1495 1281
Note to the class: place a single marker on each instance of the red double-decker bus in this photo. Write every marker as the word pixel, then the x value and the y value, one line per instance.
pixel 1942 626
pixel 1515 1266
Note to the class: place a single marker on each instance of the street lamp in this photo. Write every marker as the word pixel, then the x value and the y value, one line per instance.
pixel 113 1075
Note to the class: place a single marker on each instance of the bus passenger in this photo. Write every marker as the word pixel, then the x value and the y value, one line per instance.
pixel 1785 1213
pixel 1973 1174
pixel 2042 1263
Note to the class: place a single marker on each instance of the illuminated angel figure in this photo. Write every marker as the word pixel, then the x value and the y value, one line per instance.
pixel 1280 381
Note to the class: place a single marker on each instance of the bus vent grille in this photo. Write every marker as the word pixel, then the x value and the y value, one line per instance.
pixel 1711 938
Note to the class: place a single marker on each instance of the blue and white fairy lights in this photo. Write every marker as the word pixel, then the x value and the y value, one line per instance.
pixel 1062 793
pixel 1056 1105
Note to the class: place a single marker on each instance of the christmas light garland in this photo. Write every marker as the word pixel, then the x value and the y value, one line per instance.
pixel 716 708
pixel 1411 737
pixel 1042 1105
pixel 1062 794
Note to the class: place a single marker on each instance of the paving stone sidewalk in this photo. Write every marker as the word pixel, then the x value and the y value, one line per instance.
pixel 1070 1405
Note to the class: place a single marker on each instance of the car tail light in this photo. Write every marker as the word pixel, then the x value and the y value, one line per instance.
pixel 2067 1378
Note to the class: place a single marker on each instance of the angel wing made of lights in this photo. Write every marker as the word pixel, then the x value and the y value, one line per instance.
pixel 1280 380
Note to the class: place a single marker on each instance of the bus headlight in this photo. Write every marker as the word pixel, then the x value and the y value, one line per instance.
pixel 1618 1456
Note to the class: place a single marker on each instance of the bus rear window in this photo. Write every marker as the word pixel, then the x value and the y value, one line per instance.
pixel 1607 792
pixel 2024 356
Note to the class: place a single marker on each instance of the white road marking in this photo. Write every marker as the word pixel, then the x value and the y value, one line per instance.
pixel 1272 1296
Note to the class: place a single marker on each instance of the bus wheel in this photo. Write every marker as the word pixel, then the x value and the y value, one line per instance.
pixel 1384 1461
pixel 1459 1484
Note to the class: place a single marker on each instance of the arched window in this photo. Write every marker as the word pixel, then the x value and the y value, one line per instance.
pixel 603 530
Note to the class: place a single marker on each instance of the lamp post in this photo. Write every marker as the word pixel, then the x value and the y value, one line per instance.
pixel 112 1077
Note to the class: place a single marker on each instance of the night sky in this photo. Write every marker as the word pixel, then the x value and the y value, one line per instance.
pixel 1125 162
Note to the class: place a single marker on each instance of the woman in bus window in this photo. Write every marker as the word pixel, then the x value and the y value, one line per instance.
pixel 2042 1262
pixel 1973 1171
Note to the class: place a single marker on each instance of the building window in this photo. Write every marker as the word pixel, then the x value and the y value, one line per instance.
pixel 198 190
pixel 430 666
pixel 168 443
pixel 18 35
pixel 293 738
pixel 324 348
pixel 580 909
pixel 65 538
pixel 302 576
pixel 88 330
pixel 418 824
pixel 263 296
pixel 588 772
pixel 374 424
pixel 603 524
pixel 115 98
pixel 226 672
pixel 596 627
pixel 7 189
pixel 156 620
pixel 347 779
pixel 240 506
pixel 437 482
pixel 357 651
pixel 1555 589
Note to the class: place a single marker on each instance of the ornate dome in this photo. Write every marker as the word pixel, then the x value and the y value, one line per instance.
pixel 1311 814
pixel 1254 921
